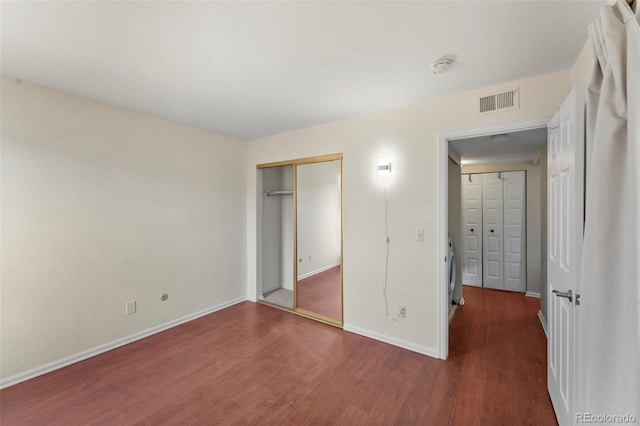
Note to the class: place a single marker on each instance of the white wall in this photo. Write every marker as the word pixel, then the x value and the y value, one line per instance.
pixel 318 211
pixel 455 221
pixel 410 135
pixel 534 203
pixel 102 205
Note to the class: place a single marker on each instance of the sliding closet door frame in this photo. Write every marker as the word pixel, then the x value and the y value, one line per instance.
pixel 295 163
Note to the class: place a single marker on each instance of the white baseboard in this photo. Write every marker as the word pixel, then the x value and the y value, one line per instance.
pixel 424 350
pixel 55 365
pixel 472 285
pixel 317 271
pixel 543 322
pixel 532 294
pixel 275 287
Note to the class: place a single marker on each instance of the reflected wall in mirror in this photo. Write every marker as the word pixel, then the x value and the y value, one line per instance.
pixel 319 240
pixel 276 229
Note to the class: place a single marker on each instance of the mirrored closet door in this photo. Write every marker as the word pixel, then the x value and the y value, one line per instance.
pixel 300 236
pixel 318 240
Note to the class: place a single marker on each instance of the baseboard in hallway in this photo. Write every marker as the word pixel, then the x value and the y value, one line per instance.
pixel 452 312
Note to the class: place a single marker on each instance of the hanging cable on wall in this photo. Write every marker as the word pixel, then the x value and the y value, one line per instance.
pixel 386 258
pixel 384 177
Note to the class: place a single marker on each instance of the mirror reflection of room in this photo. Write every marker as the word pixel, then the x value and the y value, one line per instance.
pixel 277 236
pixel 319 247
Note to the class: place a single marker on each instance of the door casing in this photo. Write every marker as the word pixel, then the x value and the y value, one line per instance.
pixel 443 220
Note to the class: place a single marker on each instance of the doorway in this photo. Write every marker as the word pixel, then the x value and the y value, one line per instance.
pixel 478 150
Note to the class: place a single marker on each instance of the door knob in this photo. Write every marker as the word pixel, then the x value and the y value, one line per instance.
pixel 492 230
pixel 567 295
pixel 471 229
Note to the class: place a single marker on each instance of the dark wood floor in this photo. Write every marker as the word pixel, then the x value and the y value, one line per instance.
pixel 253 364
pixel 322 293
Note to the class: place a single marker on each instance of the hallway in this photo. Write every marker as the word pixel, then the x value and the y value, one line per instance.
pixel 498 346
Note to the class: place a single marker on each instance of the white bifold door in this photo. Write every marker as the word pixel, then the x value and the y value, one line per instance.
pixel 514 230
pixel 492 220
pixel 495 230
pixel 472 230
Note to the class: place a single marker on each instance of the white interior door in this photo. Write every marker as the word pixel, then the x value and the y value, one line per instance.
pixel 515 259
pixel 472 229
pixel 492 218
pixel 564 239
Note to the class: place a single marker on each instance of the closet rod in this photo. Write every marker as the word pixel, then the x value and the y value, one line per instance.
pixel 279 193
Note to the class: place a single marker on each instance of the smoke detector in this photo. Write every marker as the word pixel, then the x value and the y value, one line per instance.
pixel 442 65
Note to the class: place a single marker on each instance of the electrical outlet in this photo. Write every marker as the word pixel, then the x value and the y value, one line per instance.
pixel 131 307
pixel 403 312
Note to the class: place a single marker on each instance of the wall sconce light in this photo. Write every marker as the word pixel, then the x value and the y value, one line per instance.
pixel 384 168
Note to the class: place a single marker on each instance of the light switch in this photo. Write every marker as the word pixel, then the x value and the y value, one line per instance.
pixel 420 234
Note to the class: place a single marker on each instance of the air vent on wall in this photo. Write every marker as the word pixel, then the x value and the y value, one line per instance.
pixel 493 101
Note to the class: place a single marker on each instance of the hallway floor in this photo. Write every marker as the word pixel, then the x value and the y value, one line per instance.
pixel 498 345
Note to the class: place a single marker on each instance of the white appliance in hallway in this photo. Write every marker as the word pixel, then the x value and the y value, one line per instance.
pixel 451 267
pixel 494 235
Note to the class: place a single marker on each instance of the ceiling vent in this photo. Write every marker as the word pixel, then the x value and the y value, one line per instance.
pixel 489 102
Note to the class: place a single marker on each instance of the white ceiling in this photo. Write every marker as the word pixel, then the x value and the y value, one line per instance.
pixel 251 69
pixel 517 147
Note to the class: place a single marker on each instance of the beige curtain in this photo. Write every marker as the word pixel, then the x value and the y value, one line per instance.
pixel 609 319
